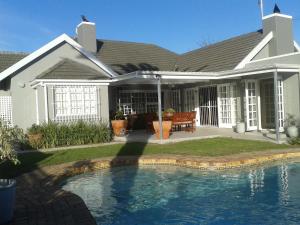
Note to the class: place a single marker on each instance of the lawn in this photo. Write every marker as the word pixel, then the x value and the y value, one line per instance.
pixel 207 147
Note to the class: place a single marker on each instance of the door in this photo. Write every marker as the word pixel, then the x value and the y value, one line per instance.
pixel 191 102
pixel 251 104
pixel 227 104
pixel 208 107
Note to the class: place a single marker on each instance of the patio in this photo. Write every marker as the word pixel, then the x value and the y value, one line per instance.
pixel 200 133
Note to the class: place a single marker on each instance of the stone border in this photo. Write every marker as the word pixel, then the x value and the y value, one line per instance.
pixel 60 172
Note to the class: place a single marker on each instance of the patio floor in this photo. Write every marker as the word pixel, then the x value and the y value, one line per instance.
pixel 200 133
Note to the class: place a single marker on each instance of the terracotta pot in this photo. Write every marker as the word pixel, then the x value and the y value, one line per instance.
pixel 166 125
pixel 35 140
pixel 119 127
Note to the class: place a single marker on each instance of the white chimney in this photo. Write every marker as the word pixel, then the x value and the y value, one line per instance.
pixel 86 36
pixel 282 28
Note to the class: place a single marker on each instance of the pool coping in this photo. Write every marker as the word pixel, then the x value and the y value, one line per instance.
pixel 40 191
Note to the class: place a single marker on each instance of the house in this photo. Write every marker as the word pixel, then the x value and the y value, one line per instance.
pixel 253 77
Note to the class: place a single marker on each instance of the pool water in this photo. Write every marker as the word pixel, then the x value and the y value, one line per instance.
pixel 174 195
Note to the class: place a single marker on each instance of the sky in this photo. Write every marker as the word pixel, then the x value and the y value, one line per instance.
pixel 178 25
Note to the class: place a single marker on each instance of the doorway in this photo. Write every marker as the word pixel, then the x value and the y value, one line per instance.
pixel 208 106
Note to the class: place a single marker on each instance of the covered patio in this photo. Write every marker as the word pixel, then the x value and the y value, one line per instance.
pixel 200 133
pixel 237 91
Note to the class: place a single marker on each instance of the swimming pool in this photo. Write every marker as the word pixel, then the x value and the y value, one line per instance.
pixel 174 195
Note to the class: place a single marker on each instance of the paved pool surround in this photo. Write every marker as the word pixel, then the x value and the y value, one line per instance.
pixel 40 199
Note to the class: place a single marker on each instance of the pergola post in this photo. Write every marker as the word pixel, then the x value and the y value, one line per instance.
pixel 159 107
pixel 276 106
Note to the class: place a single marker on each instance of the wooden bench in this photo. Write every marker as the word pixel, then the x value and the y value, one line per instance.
pixel 186 119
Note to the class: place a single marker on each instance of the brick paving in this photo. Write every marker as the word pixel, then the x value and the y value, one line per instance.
pixel 41 201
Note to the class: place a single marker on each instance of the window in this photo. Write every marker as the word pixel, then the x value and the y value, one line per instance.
pixel 75 102
pixel 6 110
pixel 138 102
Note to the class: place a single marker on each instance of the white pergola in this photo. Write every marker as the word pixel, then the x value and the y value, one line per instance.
pixel 174 77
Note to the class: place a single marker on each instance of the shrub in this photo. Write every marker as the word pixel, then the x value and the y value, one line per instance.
pixel 11 138
pixel 119 115
pixel 294 141
pixel 73 133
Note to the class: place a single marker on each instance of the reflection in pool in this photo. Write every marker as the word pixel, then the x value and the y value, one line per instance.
pixel 174 195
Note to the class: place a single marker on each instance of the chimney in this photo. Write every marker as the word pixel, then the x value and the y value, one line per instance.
pixel 281 25
pixel 86 35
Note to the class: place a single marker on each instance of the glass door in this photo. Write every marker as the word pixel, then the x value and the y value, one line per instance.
pixel 227 104
pixel 251 93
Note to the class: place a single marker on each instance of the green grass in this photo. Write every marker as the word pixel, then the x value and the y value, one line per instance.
pixel 207 147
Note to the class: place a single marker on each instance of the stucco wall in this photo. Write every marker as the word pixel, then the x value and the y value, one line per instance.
pixel 291 95
pixel 23 95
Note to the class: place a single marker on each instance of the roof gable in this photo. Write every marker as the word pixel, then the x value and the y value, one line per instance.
pixel 69 69
pixel 51 45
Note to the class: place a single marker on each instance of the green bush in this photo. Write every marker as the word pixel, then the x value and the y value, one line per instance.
pixel 73 133
pixel 294 141
pixel 11 139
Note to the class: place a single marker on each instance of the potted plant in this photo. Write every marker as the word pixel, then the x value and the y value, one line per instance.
pixel 8 143
pixel 35 136
pixel 166 126
pixel 291 128
pixel 119 124
pixel 240 127
pixel 169 112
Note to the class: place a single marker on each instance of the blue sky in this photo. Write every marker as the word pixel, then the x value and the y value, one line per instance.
pixel 178 25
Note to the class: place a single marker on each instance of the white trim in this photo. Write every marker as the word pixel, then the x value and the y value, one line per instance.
pixel 256 50
pixel 46 103
pixel 75 83
pixel 296 45
pixel 62 38
pixel 38 82
pixel 277 14
pixel 37 106
pixel 258 113
pixel 275 57
pixel 84 22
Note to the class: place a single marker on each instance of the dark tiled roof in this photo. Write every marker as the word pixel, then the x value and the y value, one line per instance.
pixel 7 59
pixel 225 55
pixel 68 69
pixel 124 57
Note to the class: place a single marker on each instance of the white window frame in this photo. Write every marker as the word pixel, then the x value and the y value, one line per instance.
pixel 232 105
pixel 75 100
pixel 250 127
pixel 127 107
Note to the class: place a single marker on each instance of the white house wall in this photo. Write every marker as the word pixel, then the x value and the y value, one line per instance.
pixel 23 98
pixel 291 95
